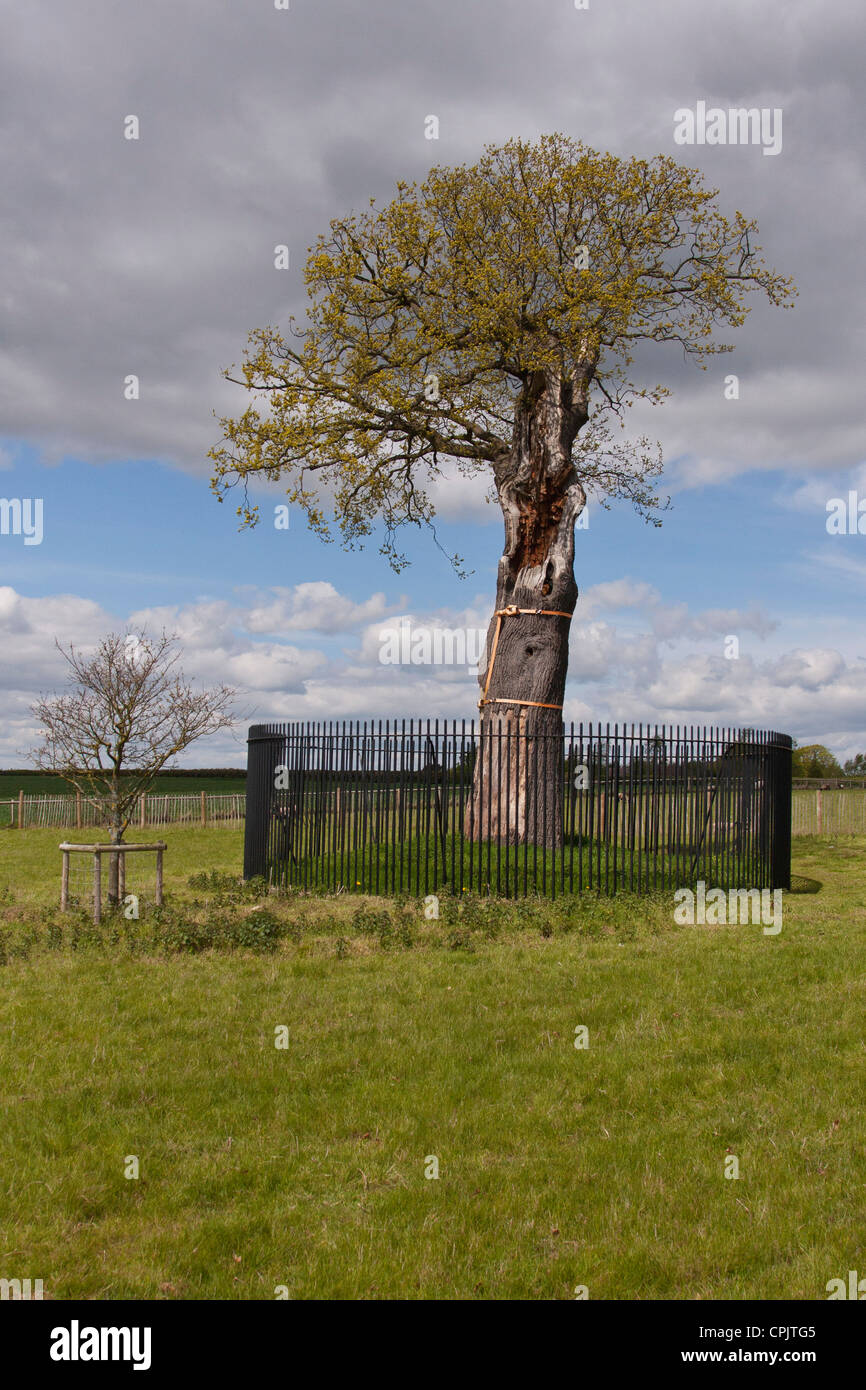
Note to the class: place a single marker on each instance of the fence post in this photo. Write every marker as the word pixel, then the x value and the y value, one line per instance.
pixel 159 878
pixel 781 752
pixel 78 810
pixel 97 888
pixel 267 749
pixel 20 810
pixel 64 882
pixel 141 811
pixel 819 809
pixel 203 809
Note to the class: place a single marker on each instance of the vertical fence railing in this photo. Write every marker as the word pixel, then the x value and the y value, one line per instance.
pixel 396 809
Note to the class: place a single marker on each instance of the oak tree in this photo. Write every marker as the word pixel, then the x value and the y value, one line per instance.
pixel 490 319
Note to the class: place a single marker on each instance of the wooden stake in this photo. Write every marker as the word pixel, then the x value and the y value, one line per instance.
pixel 64 882
pixel 97 888
pixel 20 810
pixel 203 809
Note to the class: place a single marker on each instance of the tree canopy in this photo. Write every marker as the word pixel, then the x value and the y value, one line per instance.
pixel 814 760
pixel 431 318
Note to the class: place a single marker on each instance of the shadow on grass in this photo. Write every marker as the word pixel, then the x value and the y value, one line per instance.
pixel 801 884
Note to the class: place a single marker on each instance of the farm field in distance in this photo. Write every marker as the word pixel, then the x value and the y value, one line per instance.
pixel 32 784
pixel 303 1168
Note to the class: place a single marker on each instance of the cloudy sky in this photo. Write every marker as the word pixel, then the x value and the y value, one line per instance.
pixel 155 257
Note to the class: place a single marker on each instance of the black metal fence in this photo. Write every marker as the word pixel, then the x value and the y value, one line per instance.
pixel 423 807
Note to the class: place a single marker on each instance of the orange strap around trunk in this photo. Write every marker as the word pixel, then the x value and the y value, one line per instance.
pixel 511 611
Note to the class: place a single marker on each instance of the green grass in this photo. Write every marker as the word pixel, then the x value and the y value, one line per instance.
pixel 405 865
pixel 30 860
pixel 305 1167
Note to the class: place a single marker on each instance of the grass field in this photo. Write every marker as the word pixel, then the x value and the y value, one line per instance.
pixel 262 1168
pixel 31 784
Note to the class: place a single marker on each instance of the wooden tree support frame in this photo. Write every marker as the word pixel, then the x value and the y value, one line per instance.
pixel 113 851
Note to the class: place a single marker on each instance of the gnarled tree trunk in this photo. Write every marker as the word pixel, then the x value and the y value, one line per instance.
pixel 517 792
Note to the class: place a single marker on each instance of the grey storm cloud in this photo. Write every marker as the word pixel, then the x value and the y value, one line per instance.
pixel 155 257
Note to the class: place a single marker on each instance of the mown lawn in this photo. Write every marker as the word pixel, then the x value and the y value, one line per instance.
pixel 304 1167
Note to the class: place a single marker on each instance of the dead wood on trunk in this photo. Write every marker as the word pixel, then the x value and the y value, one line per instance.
pixel 517 791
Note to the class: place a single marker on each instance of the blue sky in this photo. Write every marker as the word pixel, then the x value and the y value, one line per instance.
pixel 140 533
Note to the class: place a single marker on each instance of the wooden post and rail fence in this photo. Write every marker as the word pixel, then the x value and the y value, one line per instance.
pixel 73 811
pixel 815 811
